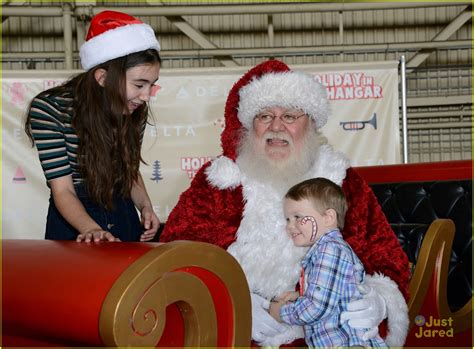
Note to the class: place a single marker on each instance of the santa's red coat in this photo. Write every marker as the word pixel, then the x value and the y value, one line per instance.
pixel 204 213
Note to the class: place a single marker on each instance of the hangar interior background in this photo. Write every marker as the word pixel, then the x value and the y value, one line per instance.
pixel 434 37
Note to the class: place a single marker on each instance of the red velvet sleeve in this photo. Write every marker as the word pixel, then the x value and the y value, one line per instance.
pixel 370 235
pixel 204 213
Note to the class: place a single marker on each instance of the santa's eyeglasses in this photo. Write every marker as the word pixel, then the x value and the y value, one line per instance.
pixel 287 118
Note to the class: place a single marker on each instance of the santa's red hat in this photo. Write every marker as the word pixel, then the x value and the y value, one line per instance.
pixel 268 84
pixel 115 34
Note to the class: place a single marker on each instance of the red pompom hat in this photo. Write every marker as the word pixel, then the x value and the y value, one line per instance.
pixel 268 84
pixel 115 34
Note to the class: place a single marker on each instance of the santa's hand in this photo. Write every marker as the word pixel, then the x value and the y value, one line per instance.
pixel 263 325
pixel 367 312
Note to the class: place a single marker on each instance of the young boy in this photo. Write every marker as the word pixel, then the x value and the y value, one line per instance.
pixel 315 210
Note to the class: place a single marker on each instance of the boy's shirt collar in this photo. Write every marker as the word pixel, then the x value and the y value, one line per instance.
pixel 335 233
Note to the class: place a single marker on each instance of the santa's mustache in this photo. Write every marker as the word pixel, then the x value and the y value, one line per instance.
pixel 270 135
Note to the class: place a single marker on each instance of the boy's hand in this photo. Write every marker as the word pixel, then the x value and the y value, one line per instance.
pixel 274 310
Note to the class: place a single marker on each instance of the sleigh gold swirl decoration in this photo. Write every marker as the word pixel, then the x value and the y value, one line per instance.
pixel 179 294
pixel 182 294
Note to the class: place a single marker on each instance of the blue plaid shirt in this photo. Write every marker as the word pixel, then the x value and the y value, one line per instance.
pixel 332 271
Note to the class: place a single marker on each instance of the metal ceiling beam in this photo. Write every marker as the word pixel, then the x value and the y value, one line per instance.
pixel 5 3
pixel 202 10
pixel 442 125
pixel 199 38
pixel 439 114
pixel 335 49
pixel 67 35
pixel 432 101
pixel 272 51
pixel 443 35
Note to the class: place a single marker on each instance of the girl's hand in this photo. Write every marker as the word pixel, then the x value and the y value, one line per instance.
pixel 96 235
pixel 150 222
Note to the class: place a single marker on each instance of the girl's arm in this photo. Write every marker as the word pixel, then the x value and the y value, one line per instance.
pixel 142 202
pixel 72 210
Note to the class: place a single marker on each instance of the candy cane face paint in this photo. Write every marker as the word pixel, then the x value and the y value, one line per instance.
pixel 304 224
pixel 314 226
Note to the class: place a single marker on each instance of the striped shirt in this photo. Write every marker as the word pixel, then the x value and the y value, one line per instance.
pixel 332 271
pixel 54 136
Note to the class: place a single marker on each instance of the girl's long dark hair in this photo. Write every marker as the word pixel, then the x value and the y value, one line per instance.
pixel 109 151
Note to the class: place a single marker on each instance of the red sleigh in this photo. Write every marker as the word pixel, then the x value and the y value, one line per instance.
pixel 181 294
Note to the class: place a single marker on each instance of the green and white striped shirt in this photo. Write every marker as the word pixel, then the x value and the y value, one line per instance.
pixel 54 136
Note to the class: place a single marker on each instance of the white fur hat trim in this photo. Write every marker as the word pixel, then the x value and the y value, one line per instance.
pixel 117 42
pixel 290 89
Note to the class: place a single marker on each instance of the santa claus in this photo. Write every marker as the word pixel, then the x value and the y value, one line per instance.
pixel 235 202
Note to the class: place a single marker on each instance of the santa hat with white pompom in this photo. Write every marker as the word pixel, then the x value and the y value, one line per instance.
pixel 268 84
pixel 115 34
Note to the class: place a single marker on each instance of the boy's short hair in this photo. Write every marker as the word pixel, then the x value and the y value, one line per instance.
pixel 323 194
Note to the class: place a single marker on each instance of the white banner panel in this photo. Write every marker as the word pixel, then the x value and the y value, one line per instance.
pixel 188 109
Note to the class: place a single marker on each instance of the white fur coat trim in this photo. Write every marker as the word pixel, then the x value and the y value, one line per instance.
pixel 397 310
pixel 330 164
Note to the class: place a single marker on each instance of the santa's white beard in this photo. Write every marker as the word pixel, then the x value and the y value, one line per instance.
pixel 267 255
pixel 282 173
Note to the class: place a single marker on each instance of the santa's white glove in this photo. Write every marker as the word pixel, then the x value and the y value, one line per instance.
pixel 291 334
pixel 367 312
pixel 263 325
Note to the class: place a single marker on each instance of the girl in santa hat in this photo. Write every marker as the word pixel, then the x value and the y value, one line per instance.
pixel 89 131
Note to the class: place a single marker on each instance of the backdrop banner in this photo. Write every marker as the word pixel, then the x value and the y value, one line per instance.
pixel 184 133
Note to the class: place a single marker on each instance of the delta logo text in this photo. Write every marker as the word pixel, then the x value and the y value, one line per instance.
pixel 358 125
pixel 433 327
